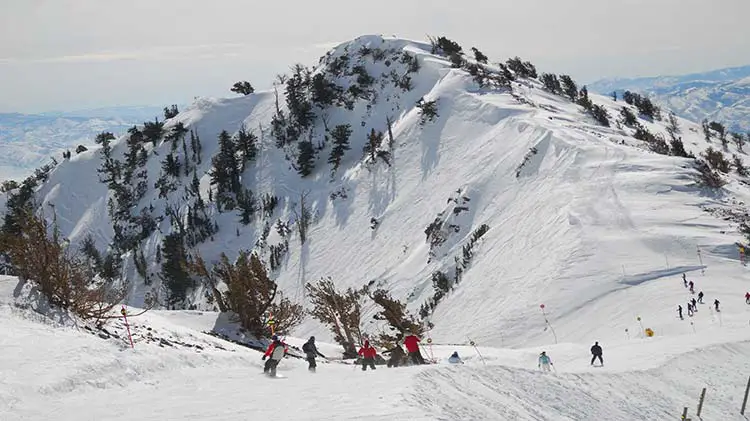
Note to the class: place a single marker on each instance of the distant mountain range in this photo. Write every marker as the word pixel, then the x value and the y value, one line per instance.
pixel 720 95
pixel 28 141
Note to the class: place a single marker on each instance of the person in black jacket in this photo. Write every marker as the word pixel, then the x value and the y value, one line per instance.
pixel 311 351
pixel 596 351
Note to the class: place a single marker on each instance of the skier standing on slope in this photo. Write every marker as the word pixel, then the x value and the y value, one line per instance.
pixel 700 297
pixel 311 351
pixel 684 280
pixel 716 304
pixel 691 285
pixel 679 312
pixel 747 298
pixel 276 351
pixel 368 354
pixel 411 343
pixel 544 361
pixel 690 309
pixel 695 305
pixel 596 351
pixel 397 356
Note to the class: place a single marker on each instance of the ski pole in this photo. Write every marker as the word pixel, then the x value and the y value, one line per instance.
pixel 125 316
pixel 477 350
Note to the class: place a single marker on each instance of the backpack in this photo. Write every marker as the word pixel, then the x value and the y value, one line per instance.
pixel 306 348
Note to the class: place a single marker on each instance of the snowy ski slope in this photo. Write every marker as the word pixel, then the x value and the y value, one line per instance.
pixel 594 226
pixel 58 371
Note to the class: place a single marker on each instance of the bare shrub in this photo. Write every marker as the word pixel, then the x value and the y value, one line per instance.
pixel 63 276
pixel 340 311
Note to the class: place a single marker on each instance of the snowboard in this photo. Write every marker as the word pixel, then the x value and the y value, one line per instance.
pixel 277 376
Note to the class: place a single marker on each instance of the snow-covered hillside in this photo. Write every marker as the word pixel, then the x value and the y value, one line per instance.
pixel 28 141
pixel 54 369
pixel 721 95
pixel 580 217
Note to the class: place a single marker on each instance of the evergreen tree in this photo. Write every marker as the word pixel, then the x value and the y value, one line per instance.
pixel 739 166
pixel 374 140
pixel 246 144
pixel 174 269
pixel 195 145
pixel 243 87
pixel 479 56
pixel 569 87
pixel 171 165
pixel 152 132
pixel 324 92
pixel 300 108
pixel 170 112
pixel 551 82
pixel 177 134
pixel 225 174
pixel 340 136
pixel 247 204
pixel 305 158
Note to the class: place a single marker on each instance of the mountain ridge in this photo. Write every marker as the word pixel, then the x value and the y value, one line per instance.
pixel 558 192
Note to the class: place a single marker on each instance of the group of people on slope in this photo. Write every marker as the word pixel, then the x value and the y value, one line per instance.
pixel 277 350
pixel 692 305
pixel 411 342
pixel 545 362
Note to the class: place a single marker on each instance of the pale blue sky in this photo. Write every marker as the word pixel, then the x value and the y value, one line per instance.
pixel 69 54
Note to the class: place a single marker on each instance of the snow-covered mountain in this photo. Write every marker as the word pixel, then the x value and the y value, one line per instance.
pixel 721 95
pixel 559 194
pixel 28 141
pixel 551 229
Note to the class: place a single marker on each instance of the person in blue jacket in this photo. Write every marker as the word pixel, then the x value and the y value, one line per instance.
pixel 455 359
pixel 544 361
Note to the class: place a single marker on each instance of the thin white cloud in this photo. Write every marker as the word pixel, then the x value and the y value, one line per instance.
pixel 169 52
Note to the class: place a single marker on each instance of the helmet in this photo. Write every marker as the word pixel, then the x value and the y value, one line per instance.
pixel 312 338
pixel 274 338
pixel 543 352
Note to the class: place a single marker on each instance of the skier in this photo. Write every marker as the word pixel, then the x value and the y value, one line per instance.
pixel 700 297
pixel 368 354
pixel 679 312
pixel 411 343
pixel 695 305
pixel 716 304
pixel 596 351
pixel 690 284
pixel 397 356
pixel 276 351
pixel 455 359
pixel 684 280
pixel 690 309
pixel 747 298
pixel 544 361
pixel 311 351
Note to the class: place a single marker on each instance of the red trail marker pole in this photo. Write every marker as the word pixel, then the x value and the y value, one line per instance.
pixel 125 316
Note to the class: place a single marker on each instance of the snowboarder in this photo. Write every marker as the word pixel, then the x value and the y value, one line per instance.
pixel 716 304
pixel 276 351
pixel 411 343
pixel 596 352
pixel 455 359
pixel 544 361
pixel 700 297
pixel 311 351
pixel 679 312
pixel 397 356
pixel 747 298
pixel 368 354
pixel 690 309
pixel 684 280
pixel 690 284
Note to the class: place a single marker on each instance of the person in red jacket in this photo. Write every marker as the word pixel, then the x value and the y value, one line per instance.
pixel 368 354
pixel 411 343
pixel 276 351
